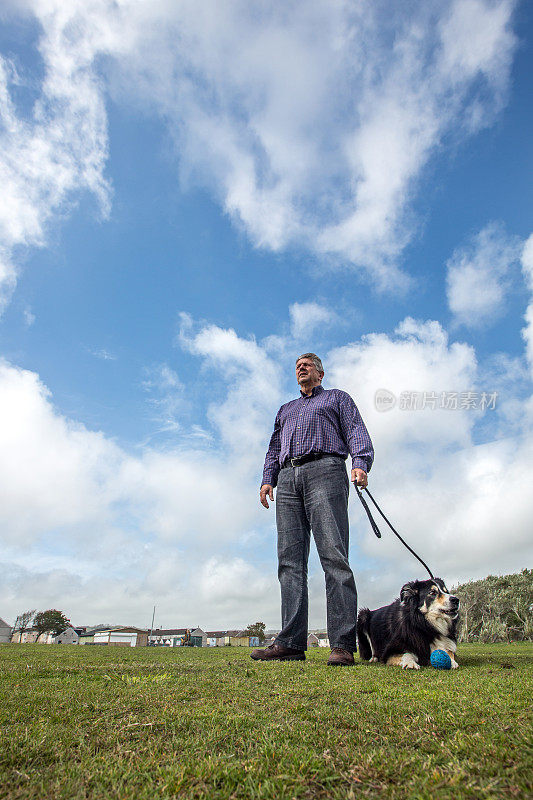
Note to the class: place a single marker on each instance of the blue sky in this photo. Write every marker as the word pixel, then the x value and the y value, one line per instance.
pixel 193 197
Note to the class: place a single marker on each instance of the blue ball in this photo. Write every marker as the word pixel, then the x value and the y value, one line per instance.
pixel 440 659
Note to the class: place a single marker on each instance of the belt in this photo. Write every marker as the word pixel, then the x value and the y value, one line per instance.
pixel 297 462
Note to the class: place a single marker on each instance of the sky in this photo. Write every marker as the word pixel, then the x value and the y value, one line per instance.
pixel 194 194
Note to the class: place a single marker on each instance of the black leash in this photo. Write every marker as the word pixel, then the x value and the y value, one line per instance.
pixel 376 529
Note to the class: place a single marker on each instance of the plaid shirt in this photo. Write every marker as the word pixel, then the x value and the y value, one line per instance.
pixel 326 422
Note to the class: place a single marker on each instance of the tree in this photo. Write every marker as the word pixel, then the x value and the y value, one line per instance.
pixel 50 621
pixel 23 622
pixel 497 608
pixel 257 629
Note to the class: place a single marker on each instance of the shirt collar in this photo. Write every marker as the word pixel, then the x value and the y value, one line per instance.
pixel 316 390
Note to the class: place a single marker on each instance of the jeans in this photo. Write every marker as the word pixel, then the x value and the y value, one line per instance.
pixel 314 497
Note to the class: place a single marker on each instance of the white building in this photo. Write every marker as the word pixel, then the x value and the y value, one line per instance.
pixel 68 636
pixel 5 632
pixel 123 637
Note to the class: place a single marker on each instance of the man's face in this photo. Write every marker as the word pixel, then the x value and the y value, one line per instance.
pixel 306 373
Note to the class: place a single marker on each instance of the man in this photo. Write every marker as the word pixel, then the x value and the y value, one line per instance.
pixel 313 435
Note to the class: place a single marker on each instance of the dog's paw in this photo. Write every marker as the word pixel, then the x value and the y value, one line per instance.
pixel 455 665
pixel 409 662
pixel 373 660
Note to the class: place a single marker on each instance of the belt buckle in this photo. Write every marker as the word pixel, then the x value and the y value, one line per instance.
pixel 295 462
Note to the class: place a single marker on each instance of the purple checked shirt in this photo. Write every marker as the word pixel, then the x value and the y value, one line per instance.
pixel 326 422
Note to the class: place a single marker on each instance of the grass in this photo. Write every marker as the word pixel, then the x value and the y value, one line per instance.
pixel 96 722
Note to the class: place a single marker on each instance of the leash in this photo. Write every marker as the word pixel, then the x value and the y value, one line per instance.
pixel 377 530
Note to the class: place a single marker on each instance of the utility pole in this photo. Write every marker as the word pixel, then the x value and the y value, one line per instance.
pixel 152 627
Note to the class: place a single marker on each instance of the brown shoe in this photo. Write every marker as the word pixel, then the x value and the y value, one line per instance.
pixel 277 652
pixel 340 658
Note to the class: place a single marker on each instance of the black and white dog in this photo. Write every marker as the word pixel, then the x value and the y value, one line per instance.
pixel 406 632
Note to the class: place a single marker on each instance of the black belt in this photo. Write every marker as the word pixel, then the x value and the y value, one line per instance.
pixel 297 462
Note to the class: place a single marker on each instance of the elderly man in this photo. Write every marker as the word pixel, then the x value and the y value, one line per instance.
pixel 313 435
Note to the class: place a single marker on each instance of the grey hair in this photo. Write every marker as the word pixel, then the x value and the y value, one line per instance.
pixel 314 358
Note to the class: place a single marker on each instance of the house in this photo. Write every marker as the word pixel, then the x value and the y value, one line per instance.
pixel 122 637
pixel 312 640
pixel 68 636
pixel 323 640
pixel 5 632
pixel 25 637
pixel 32 636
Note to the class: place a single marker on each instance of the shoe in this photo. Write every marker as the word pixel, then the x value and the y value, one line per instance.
pixel 340 658
pixel 277 652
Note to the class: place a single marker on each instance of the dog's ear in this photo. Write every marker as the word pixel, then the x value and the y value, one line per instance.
pixel 408 591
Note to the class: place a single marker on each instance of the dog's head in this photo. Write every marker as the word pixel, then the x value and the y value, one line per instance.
pixel 431 598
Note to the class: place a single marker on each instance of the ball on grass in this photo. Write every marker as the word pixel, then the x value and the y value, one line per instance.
pixel 440 659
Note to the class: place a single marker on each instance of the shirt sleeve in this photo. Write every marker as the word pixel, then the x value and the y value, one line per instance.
pixel 271 468
pixel 355 434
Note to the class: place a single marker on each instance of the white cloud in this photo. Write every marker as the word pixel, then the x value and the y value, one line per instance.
pixel 306 317
pixel 29 316
pixel 224 582
pixel 419 358
pixel 103 355
pixel 253 388
pixel 312 124
pixel 478 276
pixel 53 472
pixel 48 158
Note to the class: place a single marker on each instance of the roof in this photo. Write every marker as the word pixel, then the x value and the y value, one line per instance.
pixel 125 629
pixel 216 634
pixel 170 631
pixel 4 624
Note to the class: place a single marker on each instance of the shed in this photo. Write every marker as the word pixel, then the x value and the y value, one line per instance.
pixel 238 639
pixel 168 637
pixel 198 638
pixel 68 636
pixel 122 637
pixel 323 640
pixel 312 640
pixel 5 632
pixel 216 638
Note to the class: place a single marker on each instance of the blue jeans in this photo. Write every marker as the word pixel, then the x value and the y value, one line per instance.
pixel 314 497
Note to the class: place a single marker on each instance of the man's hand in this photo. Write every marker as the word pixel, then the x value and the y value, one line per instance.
pixel 266 489
pixel 359 478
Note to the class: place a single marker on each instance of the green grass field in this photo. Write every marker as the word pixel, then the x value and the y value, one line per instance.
pixel 96 722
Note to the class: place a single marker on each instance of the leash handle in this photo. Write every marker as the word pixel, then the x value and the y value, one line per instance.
pixel 370 517
pixel 377 531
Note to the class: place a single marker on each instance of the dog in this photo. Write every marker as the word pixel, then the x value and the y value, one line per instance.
pixel 405 633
